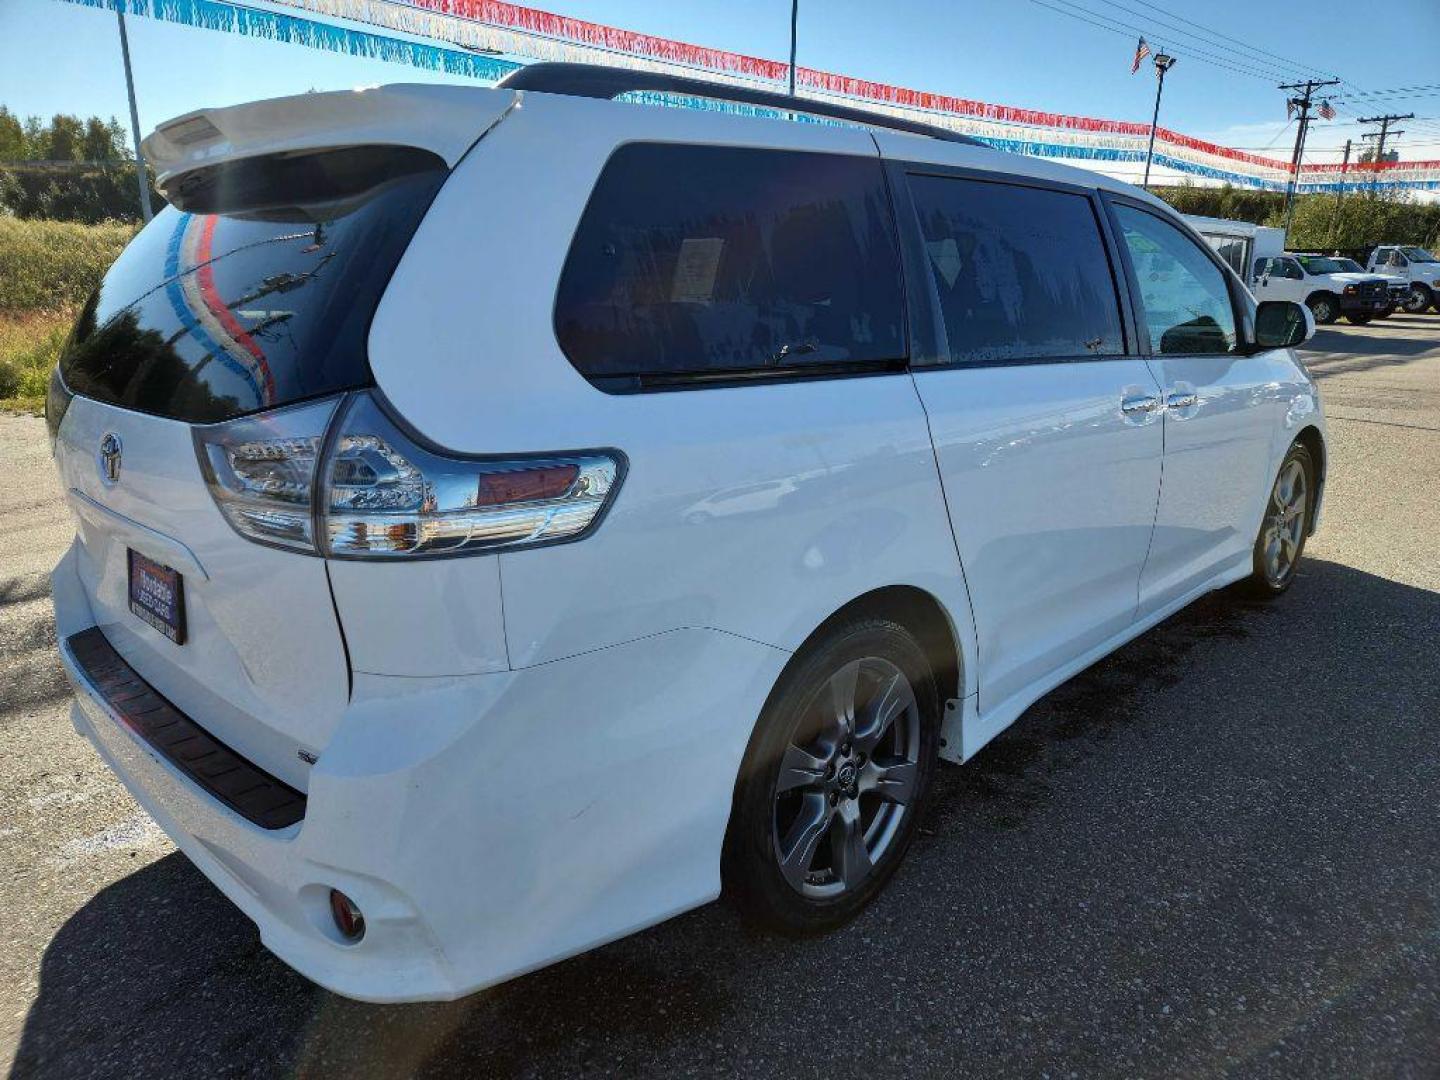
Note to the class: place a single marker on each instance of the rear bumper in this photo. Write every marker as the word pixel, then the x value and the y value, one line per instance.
pixel 486 825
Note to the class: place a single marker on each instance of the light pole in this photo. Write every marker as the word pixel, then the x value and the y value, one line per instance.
pixel 794 18
pixel 1163 63
pixel 134 116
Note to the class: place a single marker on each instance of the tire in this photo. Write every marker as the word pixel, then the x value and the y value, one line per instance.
pixel 1286 523
pixel 1358 320
pixel 1324 307
pixel 1386 312
pixel 809 790
pixel 1419 300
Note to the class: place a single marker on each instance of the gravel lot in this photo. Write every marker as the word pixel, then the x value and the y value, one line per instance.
pixel 1213 853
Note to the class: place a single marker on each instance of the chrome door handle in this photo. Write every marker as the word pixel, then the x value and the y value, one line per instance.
pixel 1140 403
pixel 1185 400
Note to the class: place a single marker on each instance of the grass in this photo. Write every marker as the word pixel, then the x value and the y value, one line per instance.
pixel 53 265
pixel 29 346
pixel 47 270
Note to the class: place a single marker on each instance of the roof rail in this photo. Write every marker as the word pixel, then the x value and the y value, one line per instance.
pixel 599 81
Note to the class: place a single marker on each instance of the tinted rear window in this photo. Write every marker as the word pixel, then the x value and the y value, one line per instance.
pixel 706 261
pixel 1020 273
pixel 210 315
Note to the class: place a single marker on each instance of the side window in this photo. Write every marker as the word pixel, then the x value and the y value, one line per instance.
pixel 1187 305
pixel 1232 251
pixel 697 260
pixel 1291 269
pixel 1262 267
pixel 1021 273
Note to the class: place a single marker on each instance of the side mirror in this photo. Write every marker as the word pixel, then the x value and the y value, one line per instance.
pixel 1283 324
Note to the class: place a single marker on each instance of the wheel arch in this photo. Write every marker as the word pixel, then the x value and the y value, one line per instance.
pixel 920 612
pixel 1310 437
pixel 1328 293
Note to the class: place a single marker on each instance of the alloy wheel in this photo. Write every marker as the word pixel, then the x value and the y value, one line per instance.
pixel 1285 522
pixel 1418 300
pixel 1323 311
pixel 847 779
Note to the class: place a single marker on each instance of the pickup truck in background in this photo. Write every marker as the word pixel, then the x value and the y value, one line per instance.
pixel 1399 288
pixel 1416 267
pixel 1324 285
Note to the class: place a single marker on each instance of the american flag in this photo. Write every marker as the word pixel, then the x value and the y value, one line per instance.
pixel 1142 50
pixel 1327 111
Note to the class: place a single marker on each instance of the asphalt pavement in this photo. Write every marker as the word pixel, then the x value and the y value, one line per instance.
pixel 1214 853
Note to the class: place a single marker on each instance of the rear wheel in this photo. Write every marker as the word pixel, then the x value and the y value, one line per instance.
pixel 1286 524
pixel 1324 307
pixel 834 779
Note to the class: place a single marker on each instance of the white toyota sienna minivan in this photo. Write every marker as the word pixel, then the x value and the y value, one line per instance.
pixel 507 518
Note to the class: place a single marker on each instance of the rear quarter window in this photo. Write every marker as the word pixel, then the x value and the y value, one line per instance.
pixel 701 262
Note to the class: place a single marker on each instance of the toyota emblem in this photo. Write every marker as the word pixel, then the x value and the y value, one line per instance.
pixel 110 457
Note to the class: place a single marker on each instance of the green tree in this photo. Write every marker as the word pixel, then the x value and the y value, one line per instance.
pixel 12 136
pixel 120 139
pixel 37 138
pixel 99 143
pixel 66 138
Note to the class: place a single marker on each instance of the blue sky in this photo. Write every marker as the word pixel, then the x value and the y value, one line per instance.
pixel 57 57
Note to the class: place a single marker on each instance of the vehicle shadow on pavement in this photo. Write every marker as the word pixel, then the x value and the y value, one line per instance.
pixel 1185 859
pixel 1396 341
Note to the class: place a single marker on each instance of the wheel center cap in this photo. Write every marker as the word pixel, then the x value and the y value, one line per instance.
pixel 845 779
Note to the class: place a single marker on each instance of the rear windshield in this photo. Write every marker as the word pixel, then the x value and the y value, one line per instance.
pixel 256 289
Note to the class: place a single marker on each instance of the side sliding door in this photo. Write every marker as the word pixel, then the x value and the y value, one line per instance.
pixel 1046 422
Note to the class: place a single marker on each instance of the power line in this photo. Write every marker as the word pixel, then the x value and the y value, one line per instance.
pixel 1209 32
pixel 1125 29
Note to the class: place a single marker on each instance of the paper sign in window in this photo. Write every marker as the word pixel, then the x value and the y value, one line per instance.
pixel 695 269
pixel 945 257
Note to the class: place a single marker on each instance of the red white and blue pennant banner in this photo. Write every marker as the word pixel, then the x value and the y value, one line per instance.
pixel 487 39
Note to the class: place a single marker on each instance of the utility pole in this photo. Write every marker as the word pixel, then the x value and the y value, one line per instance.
pixel 1340 194
pixel 134 118
pixel 1163 63
pixel 1381 136
pixel 1300 101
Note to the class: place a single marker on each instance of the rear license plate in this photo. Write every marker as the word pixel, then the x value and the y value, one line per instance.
pixel 157 595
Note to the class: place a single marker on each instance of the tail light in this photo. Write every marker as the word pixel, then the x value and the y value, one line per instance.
pixel 351 483
pixel 1351 290
pixel 261 470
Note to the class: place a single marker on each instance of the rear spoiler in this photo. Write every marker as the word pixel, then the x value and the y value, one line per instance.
pixel 445 120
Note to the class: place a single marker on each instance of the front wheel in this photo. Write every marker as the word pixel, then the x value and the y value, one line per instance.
pixel 834 779
pixel 1286 524
pixel 1324 308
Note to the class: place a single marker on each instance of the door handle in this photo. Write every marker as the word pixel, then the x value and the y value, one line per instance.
pixel 1138 404
pixel 1183 400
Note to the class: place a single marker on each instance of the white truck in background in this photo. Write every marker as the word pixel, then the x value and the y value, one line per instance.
pixel 1328 288
pixel 1416 267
